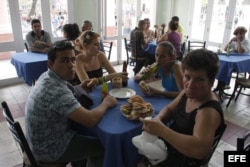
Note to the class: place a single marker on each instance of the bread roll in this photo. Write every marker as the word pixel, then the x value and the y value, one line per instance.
pixel 136 98
pixel 126 109
pixel 93 82
pixel 139 107
pixel 134 115
pixel 148 107
pixel 144 86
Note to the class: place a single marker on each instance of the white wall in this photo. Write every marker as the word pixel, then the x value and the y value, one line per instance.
pixel 181 9
pixel 86 10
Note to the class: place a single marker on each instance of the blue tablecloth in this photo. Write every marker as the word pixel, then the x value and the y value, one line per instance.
pixel 151 47
pixel 233 61
pixel 29 65
pixel 115 131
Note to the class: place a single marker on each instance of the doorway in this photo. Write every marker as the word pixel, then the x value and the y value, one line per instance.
pixel 119 18
pixel 215 20
pixel 15 24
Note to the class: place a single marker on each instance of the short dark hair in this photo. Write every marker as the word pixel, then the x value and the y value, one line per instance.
pixel 141 23
pixel 202 59
pixel 175 18
pixel 173 25
pixel 33 21
pixel 59 46
pixel 240 29
pixel 89 24
pixel 72 31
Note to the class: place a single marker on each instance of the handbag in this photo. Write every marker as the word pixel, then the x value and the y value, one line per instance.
pixel 81 95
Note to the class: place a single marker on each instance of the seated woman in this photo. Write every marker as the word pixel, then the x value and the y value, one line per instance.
pixel 173 37
pixel 90 63
pixel 169 69
pixel 148 34
pixel 239 43
pixel 196 113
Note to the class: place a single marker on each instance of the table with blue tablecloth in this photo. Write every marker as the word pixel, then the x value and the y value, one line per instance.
pixel 232 62
pixel 115 131
pixel 29 65
pixel 228 63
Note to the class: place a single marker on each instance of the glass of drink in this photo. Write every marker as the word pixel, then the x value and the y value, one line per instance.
pixel 117 82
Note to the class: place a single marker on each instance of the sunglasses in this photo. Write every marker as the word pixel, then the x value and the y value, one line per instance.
pixel 58 45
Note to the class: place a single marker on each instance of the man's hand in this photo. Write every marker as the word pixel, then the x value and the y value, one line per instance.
pixel 110 101
pixel 38 44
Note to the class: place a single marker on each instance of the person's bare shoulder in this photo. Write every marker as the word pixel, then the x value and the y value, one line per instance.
pixel 101 56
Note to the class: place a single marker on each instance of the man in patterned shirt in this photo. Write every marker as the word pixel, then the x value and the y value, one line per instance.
pixel 50 107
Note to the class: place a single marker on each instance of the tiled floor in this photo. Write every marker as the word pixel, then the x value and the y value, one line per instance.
pixel 237 119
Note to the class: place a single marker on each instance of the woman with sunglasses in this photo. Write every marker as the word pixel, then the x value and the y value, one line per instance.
pixel 90 63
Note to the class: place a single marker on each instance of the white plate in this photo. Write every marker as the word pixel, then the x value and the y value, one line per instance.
pixel 122 93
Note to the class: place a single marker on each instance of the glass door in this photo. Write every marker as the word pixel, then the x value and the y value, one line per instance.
pixel 220 23
pixel 120 18
pixel 215 20
pixel 15 24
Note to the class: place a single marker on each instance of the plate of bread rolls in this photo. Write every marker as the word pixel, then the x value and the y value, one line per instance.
pixel 136 107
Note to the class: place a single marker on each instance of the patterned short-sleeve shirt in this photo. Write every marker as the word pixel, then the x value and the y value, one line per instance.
pixel 47 126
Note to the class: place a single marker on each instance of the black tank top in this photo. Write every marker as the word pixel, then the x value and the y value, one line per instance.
pixel 184 123
pixel 95 73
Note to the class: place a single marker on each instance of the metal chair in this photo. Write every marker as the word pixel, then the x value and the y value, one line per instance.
pixel 130 60
pixel 182 52
pixel 241 145
pixel 239 83
pixel 137 59
pixel 107 45
pixel 18 135
pixel 26 46
pixel 192 45
pixel 215 143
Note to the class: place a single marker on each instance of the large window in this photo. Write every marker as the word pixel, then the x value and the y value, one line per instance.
pixel 215 20
pixel 121 18
pixel 59 16
pixel 32 10
pixel 16 16
pixel 6 34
